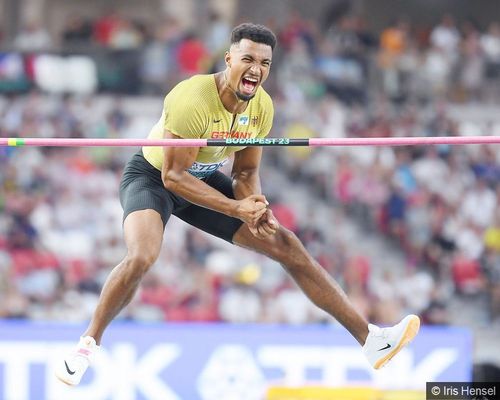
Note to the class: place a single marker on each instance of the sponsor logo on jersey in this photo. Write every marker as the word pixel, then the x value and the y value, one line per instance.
pixel 202 170
pixel 243 120
pixel 229 135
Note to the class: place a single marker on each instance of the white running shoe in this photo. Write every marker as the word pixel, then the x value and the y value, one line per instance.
pixel 384 343
pixel 71 369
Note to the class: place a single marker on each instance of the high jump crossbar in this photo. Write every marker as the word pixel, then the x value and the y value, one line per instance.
pixel 306 142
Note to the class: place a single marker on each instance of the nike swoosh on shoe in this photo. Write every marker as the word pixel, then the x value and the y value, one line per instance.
pixel 68 370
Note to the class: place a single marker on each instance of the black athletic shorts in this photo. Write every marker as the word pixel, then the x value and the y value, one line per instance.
pixel 141 188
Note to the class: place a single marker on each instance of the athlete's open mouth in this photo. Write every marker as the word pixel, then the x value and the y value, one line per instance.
pixel 249 84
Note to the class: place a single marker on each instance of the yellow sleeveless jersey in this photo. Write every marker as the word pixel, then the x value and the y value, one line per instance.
pixel 193 110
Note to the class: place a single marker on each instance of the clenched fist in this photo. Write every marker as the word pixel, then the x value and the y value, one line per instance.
pixel 266 226
pixel 251 208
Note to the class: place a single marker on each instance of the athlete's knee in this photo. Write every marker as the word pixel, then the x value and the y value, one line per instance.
pixel 286 237
pixel 287 246
pixel 138 263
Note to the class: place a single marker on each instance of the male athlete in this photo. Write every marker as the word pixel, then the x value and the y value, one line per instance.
pixel 184 181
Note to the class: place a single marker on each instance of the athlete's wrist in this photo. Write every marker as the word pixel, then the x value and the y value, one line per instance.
pixel 233 208
pixel 243 190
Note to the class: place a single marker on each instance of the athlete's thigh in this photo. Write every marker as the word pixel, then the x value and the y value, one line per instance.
pixel 141 188
pixel 147 206
pixel 213 222
pixel 210 221
pixel 143 232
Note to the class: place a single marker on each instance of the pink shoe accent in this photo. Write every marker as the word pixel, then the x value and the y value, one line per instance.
pixel 84 352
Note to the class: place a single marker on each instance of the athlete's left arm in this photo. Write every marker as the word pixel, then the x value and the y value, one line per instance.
pixel 246 181
pixel 245 173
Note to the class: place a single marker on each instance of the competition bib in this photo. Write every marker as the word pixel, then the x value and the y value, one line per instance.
pixel 202 170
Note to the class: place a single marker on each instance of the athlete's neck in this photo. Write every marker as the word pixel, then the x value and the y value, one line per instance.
pixel 228 96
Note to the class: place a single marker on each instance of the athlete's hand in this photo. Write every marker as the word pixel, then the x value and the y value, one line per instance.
pixel 266 226
pixel 251 208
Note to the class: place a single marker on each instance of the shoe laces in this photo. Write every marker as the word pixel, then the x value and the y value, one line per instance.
pixel 378 332
pixel 86 348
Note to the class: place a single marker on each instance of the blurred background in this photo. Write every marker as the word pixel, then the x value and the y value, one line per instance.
pixel 403 230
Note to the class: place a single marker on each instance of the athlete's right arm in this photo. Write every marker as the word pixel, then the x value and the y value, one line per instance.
pixel 176 179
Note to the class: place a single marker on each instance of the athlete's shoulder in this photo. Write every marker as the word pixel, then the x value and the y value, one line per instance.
pixel 197 92
pixel 196 84
pixel 265 99
pixel 265 102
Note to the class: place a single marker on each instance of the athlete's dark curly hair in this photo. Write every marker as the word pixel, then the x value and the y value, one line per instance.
pixel 255 33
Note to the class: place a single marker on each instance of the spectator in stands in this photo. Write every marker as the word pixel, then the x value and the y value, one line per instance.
pixel 77 31
pixel 472 62
pixel 105 26
pixel 479 204
pixel 192 56
pixel 490 45
pixel 125 35
pixel 394 42
pixel 32 37
pixel 296 27
pixel 296 77
pixel 446 37
pixel 215 38
pixel 159 61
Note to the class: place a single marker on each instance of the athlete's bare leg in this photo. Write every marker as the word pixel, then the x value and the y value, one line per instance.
pixel 143 231
pixel 317 284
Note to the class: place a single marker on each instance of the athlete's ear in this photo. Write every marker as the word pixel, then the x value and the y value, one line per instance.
pixel 227 59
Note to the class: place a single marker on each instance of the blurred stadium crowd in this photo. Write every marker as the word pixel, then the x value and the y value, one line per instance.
pixel 432 212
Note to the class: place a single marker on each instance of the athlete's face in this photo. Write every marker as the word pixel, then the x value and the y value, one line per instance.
pixel 248 64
